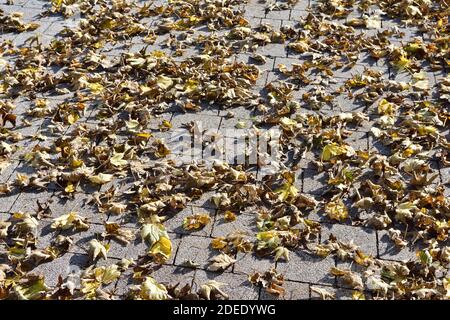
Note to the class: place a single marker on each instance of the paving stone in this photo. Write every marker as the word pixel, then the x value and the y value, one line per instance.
pixel 365 238
pixel 314 183
pixel 342 103
pixel 38 4
pixel 378 146
pixel 297 15
pixel 8 201
pixel 408 33
pixel 306 268
pixel 348 72
pixel 81 239
pixel 80 205
pixel 232 125
pixel 171 275
pixel 239 112
pixel 237 149
pixel 255 11
pixel 247 59
pixel 389 251
pixel 274 18
pixel 249 263
pixel 197 249
pixel 272 50
pixel 204 201
pixel 19 2
pixel 45 234
pixel 288 62
pixel 57 27
pixel 203 121
pixel 445 179
pixel 4 216
pixel 244 222
pixel 69 264
pixel 261 82
pixel 26 145
pixel 27 201
pixel 22 40
pixel 29 13
pixel 252 21
pixel 7 171
pixel 339 294
pixel 294 291
pixel 358 140
pixel 303 4
pixel 237 286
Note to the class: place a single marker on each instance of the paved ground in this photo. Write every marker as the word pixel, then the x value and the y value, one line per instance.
pixel 302 271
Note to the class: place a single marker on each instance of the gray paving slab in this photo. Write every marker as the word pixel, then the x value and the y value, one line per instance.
pixel 236 286
pixel 337 293
pixel 293 291
pixel 249 263
pixel 307 268
pixel 364 238
pixel 197 250
pixel 389 251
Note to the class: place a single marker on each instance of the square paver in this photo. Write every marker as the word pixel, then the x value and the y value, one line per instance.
pixel 306 268
pixel 236 286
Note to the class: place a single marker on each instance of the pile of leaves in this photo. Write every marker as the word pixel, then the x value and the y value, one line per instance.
pixel 101 138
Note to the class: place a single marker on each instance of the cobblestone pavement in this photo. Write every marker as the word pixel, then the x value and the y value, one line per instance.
pixel 301 272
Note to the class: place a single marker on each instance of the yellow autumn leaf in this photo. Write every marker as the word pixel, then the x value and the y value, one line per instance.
pixel 107 275
pixel 191 86
pixel 386 108
pixel 358 295
pixel 96 88
pixel 268 239
pixel 336 210
pixel 165 124
pixel 196 221
pixel 117 160
pixel 288 123
pixel 403 62
pixel 76 163
pixel 108 24
pixel 156 236
pixel 164 82
pixel 424 130
pixel 69 221
pixel 69 188
pixel 101 178
pixel 282 253
pixel 229 216
pixel 31 290
pixel 218 243
pixel 162 249
pixel 144 135
pixel 333 149
pixel 96 248
pixel 72 118
pixel 221 262
pixel 132 124
pixel 287 191
pixel 152 290
pixel 57 3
